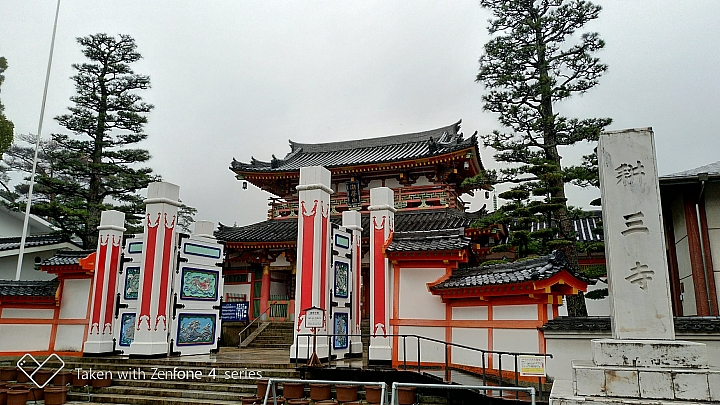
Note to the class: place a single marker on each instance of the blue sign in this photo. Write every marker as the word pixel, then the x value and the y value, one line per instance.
pixel 234 311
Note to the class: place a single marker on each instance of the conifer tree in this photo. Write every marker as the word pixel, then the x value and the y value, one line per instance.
pixel 96 166
pixel 535 60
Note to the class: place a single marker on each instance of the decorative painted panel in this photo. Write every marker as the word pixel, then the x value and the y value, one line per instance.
pixel 342 272
pixel 196 329
pixel 132 282
pixel 340 327
pixel 199 284
pixel 127 329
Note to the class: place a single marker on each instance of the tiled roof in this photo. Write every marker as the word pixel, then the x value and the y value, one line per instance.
pixel 417 241
pixel 540 268
pixel 28 288
pixel 13 243
pixel 584 227
pixel 285 230
pixel 364 151
pixel 712 170
pixel 66 257
pixel 683 324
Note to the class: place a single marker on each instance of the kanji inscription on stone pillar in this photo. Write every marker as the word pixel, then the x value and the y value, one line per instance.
pixel 634 237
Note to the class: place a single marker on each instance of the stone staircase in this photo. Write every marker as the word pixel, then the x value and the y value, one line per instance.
pixel 277 335
pixel 163 382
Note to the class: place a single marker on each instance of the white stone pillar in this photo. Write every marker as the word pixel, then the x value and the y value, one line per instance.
pixel 313 257
pixel 107 263
pixel 382 223
pixel 640 304
pixel 205 229
pixel 352 220
pixel 157 264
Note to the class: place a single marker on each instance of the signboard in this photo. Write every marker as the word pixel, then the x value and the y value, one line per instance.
pixel 314 318
pixel 234 311
pixel 532 366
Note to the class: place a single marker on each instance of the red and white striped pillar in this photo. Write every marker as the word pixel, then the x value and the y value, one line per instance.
pixel 351 220
pixel 382 223
pixel 107 263
pixel 313 257
pixel 158 261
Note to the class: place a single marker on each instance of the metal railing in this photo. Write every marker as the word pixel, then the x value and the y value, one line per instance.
pixel 256 319
pixel 447 346
pixel 486 388
pixel 273 381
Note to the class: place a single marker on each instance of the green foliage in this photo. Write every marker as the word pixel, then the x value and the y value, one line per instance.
pixel 492 262
pixel 96 166
pixel 6 126
pixel 597 294
pixel 535 59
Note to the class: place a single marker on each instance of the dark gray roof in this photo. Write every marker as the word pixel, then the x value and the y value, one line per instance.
pixel 285 230
pixel 67 257
pixel 584 227
pixel 540 268
pixel 712 170
pixel 417 241
pixel 364 151
pixel 13 243
pixel 28 288
pixel 686 324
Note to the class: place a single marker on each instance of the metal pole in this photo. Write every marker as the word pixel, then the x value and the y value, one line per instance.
pixel 517 377
pixel 418 354
pixel 404 353
pixel 21 253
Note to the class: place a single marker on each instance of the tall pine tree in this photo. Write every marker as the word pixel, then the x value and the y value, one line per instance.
pixel 535 60
pixel 6 126
pixel 95 166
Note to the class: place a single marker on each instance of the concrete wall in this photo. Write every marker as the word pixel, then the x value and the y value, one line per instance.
pixel 566 347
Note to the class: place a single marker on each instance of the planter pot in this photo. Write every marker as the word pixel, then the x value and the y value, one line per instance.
pixel 78 382
pixel 373 394
pixel 55 395
pixel 20 377
pixel 101 382
pixel 298 401
pixel 346 393
pixel 251 400
pixel 8 374
pixel 3 396
pixel 63 378
pixel 319 392
pixel 17 397
pixel 36 394
pixel 280 400
pixel 293 390
pixel 406 395
pixel 262 386
pixel 43 376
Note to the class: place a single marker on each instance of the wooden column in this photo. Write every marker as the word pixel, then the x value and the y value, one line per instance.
pixel 695 248
pixel 672 258
pixel 709 268
pixel 265 292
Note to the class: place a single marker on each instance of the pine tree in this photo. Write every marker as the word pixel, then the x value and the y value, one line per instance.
pixel 6 130
pixel 96 167
pixel 535 60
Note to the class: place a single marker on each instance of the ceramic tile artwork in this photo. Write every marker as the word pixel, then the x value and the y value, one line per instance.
pixel 127 329
pixel 199 284
pixel 342 272
pixel 132 283
pixel 196 329
pixel 340 321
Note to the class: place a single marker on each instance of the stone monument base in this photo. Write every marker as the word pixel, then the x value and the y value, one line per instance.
pixel 640 372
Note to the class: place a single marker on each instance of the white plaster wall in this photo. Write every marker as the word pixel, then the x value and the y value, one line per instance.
pixel 422 181
pixel 280 261
pixel 515 312
pixel 392 183
pixel 678 218
pixel 69 338
pixel 9 225
pixel 27 313
pixel 472 337
pixel 23 338
pixel 470 313
pixel 712 210
pixel 514 340
pixel 597 307
pixel 429 351
pixel 8 266
pixel 237 289
pixel 415 301
pixel 76 294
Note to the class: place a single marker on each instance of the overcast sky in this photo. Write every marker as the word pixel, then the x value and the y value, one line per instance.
pixel 239 78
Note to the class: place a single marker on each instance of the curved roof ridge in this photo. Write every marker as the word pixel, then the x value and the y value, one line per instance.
pixel 424 136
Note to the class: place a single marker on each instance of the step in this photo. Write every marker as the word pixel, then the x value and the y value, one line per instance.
pixel 143 400
pixel 198 394
pixel 249 387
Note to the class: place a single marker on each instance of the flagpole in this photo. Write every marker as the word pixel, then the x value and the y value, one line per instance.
pixel 21 253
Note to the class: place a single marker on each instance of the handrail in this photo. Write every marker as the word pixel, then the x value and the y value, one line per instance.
pixel 448 376
pixel 254 320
